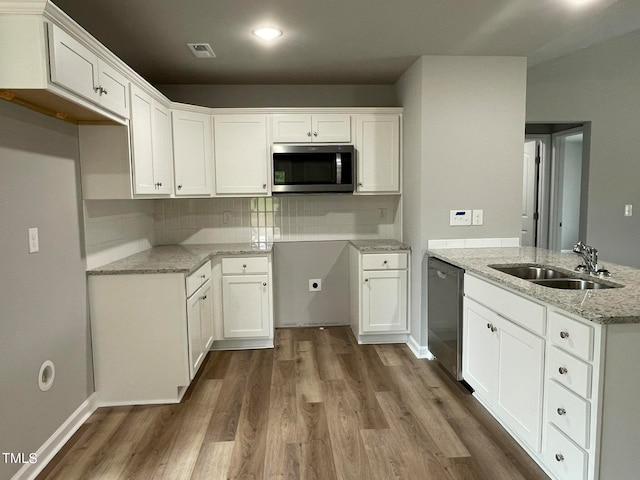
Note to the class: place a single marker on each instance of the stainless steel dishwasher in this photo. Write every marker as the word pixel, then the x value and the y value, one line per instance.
pixel 444 307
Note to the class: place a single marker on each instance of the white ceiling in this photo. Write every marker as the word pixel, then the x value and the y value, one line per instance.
pixel 338 41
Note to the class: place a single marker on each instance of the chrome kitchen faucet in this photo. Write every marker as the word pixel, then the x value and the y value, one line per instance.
pixel 590 259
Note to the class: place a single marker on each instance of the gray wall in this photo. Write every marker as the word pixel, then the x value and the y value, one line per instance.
pixel 463 140
pixel 43 295
pixel 294 264
pixel 236 96
pixel 600 84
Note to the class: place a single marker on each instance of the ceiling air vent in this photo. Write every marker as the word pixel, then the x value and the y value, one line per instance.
pixel 201 50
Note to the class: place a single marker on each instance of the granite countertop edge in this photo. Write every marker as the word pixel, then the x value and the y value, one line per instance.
pixel 608 306
pixel 185 259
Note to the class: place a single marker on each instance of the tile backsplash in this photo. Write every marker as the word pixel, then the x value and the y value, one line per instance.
pixel 282 218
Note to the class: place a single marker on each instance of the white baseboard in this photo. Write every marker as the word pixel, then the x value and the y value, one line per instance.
pixel 418 350
pixel 55 442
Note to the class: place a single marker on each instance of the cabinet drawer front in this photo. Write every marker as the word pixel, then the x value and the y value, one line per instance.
pixel 198 277
pixel 563 457
pixel 569 413
pixel 384 261
pixel 520 310
pixel 570 372
pixel 571 335
pixel 240 265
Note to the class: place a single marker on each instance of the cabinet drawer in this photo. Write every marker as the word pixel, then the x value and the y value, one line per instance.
pixel 524 312
pixel 564 458
pixel 569 413
pixel 384 261
pixel 571 335
pixel 570 372
pixel 197 278
pixel 240 265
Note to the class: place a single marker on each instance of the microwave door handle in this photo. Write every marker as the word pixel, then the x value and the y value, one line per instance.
pixel 338 168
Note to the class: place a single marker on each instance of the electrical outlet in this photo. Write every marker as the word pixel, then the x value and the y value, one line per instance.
pixel 478 217
pixel 34 241
pixel 315 285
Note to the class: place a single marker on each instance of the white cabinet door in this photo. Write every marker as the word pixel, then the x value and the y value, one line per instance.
pixel 384 301
pixel 303 128
pixel 192 153
pixel 72 65
pixel 115 90
pixel 241 155
pixel 245 306
pixel 194 331
pixel 480 349
pixel 378 145
pixel 149 137
pixel 291 128
pixel 206 317
pixel 520 381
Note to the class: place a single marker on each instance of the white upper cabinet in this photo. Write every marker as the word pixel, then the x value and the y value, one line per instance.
pixel 192 153
pixel 303 128
pixel 150 144
pixel 377 142
pixel 81 71
pixel 241 155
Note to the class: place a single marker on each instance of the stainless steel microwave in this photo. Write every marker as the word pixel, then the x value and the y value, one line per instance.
pixel 313 168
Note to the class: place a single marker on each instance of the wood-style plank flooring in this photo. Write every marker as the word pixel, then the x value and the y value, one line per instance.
pixel 318 406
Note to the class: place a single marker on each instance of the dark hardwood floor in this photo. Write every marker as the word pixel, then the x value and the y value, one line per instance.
pixel 318 406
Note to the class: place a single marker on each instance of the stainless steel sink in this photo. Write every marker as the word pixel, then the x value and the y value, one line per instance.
pixel 530 272
pixel 552 278
pixel 573 284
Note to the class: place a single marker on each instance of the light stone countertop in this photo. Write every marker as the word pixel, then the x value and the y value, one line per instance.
pixel 177 258
pixel 369 246
pixel 605 306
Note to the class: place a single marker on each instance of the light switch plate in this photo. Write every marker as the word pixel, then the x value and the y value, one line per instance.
pixel 478 217
pixel 34 241
pixel 459 218
pixel 628 210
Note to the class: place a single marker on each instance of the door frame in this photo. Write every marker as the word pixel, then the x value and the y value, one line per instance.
pixel 543 187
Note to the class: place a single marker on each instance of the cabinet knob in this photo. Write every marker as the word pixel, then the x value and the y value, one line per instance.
pixel 244 265
pixel 180 187
pixel 366 280
pixel 385 262
pixel 264 284
pixel 492 327
pixel 264 186
pixel 559 457
pixel 561 411
pixel 359 184
pixel 203 276
pixel 564 334
pixel 315 134
pixel 308 134
pixel 562 370
pixel 203 298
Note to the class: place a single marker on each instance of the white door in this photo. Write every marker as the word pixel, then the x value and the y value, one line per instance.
pixel 162 148
pixel 384 300
pixel 480 349
pixel 192 153
pixel 245 306
pixel 377 143
pixel 529 188
pixel 194 315
pixel 142 142
pixel 241 155
pixel 206 316
pixel 331 128
pixel 291 128
pixel 520 377
pixel 115 90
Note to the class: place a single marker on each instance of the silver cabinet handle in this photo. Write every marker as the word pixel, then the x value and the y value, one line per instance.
pixel 492 327
pixel 203 276
pixel 562 370
pixel 385 262
pixel 564 334
pixel 264 284
pixel 244 265
pixel 264 186
pixel 561 411
pixel 308 134
pixel 203 298
pixel 315 134
pixel 366 280
pixel 180 187
pixel 559 457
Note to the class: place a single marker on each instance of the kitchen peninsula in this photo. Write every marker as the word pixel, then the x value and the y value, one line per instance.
pixel 558 368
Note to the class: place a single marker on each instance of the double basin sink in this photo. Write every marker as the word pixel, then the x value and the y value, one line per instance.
pixel 553 278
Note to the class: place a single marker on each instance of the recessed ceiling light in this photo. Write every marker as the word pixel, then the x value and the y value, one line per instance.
pixel 267 33
pixel 201 50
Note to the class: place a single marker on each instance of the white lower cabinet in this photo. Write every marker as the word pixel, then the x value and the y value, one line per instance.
pixel 247 304
pixel 150 333
pixel 379 295
pixel 504 363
